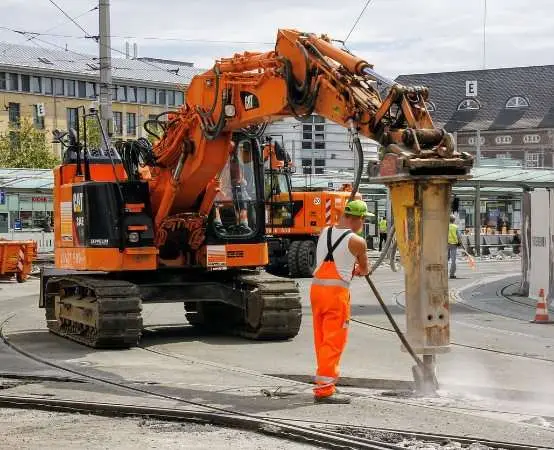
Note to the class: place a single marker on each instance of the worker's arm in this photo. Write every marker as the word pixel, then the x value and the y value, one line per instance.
pixel 358 247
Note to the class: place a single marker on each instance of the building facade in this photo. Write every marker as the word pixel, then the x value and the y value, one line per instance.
pixel 47 87
pixel 509 112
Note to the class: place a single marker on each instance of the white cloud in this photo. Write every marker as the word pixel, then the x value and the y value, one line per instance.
pixel 397 36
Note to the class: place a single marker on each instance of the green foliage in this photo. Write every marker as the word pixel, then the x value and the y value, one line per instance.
pixel 94 135
pixel 26 147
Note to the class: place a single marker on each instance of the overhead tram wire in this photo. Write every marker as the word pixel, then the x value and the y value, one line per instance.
pixel 357 20
pixel 72 19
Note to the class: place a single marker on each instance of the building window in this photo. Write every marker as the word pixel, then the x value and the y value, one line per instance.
pixel 161 96
pixel 91 90
pixel 533 160
pixel 141 93
pixel 14 82
pixel 58 87
pixel 131 124
pixel 306 166
pixel 319 166
pixel 73 118
pixel 118 122
pixel 121 93
pixel 25 83
pixel 517 102
pixel 3 84
pixel 430 106
pixel 14 114
pixel 179 98
pixel 38 121
pixel 171 98
pixel 132 94
pixel 468 104
pixel 82 89
pixel 36 85
pixel 70 88
pixel 48 87
pixel 151 96
pixel 313 133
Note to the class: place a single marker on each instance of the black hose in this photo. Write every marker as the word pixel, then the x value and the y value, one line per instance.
pixel 355 187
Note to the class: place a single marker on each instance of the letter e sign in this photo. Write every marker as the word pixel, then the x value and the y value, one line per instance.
pixel 471 88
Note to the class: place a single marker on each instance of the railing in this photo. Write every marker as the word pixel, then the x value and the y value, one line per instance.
pixel 44 240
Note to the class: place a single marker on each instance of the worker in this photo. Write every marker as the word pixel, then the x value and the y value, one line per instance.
pixel 340 255
pixel 454 241
pixel 382 232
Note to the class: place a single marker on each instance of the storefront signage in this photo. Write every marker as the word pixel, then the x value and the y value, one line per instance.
pixel 40 199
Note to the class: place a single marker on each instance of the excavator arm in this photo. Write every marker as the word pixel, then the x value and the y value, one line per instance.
pixel 305 74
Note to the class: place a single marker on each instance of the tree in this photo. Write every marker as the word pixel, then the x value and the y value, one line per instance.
pixel 24 146
pixel 94 135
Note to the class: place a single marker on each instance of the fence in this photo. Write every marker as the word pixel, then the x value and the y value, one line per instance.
pixel 44 240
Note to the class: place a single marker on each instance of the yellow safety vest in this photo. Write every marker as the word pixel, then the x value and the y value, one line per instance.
pixel 383 226
pixel 453 234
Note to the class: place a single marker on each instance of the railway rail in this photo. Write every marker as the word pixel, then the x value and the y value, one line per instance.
pixel 317 433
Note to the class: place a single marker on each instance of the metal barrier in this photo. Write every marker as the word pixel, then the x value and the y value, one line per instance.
pixel 44 240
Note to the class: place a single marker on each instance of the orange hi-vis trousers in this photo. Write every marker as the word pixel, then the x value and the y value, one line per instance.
pixel 330 299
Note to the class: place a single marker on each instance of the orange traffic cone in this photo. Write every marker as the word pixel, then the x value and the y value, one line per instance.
pixel 541 314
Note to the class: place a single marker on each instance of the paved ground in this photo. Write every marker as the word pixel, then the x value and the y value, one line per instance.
pixel 496 382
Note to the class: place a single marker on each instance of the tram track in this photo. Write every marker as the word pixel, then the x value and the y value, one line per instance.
pixel 316 433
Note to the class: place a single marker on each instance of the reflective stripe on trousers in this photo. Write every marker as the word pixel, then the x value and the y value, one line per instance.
pixel 330 299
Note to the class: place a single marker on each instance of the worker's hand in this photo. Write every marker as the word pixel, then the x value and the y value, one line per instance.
pixel 359 272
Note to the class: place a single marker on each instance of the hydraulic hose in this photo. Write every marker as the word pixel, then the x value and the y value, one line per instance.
pixel 360 152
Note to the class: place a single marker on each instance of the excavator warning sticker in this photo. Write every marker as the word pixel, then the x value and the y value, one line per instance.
pixel 66 216
pixel 216 256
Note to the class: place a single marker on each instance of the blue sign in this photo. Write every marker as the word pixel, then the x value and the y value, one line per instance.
pixel 2 197
pixel 17 225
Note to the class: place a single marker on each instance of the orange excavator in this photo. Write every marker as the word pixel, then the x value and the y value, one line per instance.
pixel 183 220
pixel 295 217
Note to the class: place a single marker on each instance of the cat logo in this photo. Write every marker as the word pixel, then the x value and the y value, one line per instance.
pixel 249 100
pixel 77 202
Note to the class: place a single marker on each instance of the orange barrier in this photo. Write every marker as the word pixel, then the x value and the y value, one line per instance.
pixel 16 258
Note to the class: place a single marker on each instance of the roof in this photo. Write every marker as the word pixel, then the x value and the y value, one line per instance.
pixel 83 65
pixel 494 88
pixel 32 179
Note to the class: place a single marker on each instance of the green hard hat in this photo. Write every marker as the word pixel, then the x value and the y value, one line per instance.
pixel 357 208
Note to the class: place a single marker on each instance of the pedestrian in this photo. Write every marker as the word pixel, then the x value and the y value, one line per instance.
pixel 454 241
pixel 382 232
pixel 341 254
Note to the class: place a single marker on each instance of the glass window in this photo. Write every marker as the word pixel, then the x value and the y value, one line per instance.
pixel 161 96
pixel 234 207
pixel 14 113
pixel 73 118
pixel 3 84
pixel 171 98
pixel 141 95
pixel 517 102
pixel 468 104
pixel 118 122
pixel 38 121
pixel 319 119
pixel 179 98
pixel 25 83
pixel 306 166
pixel 132 94
pixel 48 87
pixel 306 145
pixel 70 88
pixel 131 124
pixel 91 90
pixel 81 89
pixel 151 96
pixel 121 93
pixel 58 87
pixel 14 81
pixel 36 85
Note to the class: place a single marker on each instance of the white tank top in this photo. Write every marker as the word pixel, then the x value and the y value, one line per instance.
pixel 344 259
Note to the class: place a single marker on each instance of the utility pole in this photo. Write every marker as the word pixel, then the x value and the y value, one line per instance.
pixel 477 199
pixel 104 43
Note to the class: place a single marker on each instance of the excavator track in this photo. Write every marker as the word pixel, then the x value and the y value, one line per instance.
pixel 100 313
pixel 273 308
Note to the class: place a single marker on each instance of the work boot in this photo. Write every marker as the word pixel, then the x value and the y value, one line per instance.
pixel 452 277
pixel 333 399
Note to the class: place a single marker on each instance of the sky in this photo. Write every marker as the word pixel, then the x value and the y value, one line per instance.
pixel 397 36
